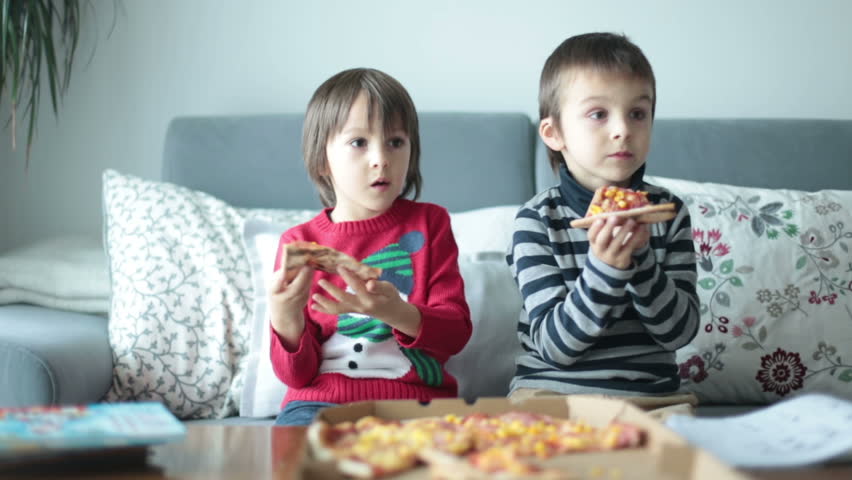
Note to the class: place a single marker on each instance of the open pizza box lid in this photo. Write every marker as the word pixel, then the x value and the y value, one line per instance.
pixel 664 456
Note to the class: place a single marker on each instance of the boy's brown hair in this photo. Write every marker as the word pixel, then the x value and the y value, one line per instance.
pixel 606 52
pixel 329 108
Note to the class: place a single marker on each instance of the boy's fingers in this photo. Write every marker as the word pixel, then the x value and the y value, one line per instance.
pixel 377 287
pixel 303 278
pixel 322 304
pixel 276 282
pixel 352 280
pixel 338 293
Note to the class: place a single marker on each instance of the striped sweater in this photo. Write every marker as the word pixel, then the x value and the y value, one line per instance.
pixel 587 327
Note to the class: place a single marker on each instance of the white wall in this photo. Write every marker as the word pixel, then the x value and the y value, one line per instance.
pixel 727 58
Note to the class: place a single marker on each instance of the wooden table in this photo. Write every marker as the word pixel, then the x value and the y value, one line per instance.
pixel 213 452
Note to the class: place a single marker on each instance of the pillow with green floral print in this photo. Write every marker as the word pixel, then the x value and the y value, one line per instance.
pixel 775 291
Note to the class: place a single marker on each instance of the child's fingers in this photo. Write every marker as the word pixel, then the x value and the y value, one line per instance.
pixel 303 278
pixel 277 283
pixel 386 289
pixel 623 233
pixel 595 230
pixel 323 304
pixel 338 293
pixel 352 280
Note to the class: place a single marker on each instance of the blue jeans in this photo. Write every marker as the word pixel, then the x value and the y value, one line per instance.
pixel 300 412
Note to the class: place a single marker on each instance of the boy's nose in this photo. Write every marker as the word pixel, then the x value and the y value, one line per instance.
pixel 378 159
pixel 620 129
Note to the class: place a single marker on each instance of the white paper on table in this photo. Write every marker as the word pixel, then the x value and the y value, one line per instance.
pixel 804 430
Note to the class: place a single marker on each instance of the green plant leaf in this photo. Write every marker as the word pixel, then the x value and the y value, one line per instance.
pixel 736 281
pixel 727 266
pixel 745 269
pixel 761 334
pixel 38 40
pixel 801 262
pixel 846 375
pixel 707 283
pixel 750 346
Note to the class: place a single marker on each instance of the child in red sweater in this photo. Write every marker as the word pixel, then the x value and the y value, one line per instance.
pixel 335 337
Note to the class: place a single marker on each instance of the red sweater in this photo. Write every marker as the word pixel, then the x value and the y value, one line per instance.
pixel 353 357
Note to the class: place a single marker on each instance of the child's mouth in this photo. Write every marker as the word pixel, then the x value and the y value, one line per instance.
pixel 381 184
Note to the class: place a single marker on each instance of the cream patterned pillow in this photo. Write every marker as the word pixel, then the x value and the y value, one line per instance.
pixel 775 288
pixel 181 302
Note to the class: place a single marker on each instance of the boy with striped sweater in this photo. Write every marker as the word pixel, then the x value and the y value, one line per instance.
pixel 604 309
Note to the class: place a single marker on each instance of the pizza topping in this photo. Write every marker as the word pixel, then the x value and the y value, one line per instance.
pixel 487 443
pixel 615 199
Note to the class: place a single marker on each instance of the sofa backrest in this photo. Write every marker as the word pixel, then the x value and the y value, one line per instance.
pixel 468 160
pixel 799 154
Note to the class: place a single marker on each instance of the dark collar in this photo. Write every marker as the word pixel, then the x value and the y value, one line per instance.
pixel 579 197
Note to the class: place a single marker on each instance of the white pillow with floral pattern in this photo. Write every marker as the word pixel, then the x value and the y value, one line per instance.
pixel 182 299
pixel 775 288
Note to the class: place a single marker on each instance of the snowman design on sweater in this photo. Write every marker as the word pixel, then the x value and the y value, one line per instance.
pixel 364 347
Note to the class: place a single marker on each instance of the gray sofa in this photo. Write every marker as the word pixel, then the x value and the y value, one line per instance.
pixel 470 160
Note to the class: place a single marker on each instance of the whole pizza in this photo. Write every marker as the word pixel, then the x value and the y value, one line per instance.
pixel 501 446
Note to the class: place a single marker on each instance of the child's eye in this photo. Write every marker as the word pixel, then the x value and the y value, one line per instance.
pixel 358 143
pixel 597 115
pixel 396 142
pixel 639 114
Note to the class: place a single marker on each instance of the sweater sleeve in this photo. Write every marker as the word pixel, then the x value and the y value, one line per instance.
pixel 297 368
pixel 664 295
pixel 562 320
pixel 445 324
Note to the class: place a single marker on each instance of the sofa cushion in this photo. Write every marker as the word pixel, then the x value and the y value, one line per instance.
pixel 49 356
pixel 181 296
pixel 775 290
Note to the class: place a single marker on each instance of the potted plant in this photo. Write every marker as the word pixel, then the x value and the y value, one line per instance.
pixel 38 39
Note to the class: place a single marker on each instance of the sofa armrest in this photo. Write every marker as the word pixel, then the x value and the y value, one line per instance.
pixel 52 357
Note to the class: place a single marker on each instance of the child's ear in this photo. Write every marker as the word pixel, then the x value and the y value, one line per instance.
pixel 550 135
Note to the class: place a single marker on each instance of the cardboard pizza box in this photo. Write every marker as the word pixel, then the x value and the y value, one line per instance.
pixel 665 455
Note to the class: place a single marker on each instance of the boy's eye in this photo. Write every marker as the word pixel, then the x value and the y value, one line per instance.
pixel 358 143
pixel 597 115
pixel 638 114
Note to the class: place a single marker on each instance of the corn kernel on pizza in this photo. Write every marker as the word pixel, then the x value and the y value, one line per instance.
pixel 504 446
pixel 612 201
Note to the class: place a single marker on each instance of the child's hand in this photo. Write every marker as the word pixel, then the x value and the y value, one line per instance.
pixel 288 296
pixel 376 298
pixel 614 239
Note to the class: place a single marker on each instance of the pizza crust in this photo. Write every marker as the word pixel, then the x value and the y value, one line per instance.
pixel 326 259
pixel 319 440
pixel 648 214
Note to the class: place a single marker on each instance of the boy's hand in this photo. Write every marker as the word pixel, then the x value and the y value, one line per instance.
pixel 376 298
pixel 288 296
pixel 614 239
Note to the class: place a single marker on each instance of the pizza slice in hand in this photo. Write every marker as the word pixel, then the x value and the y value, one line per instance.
pixel 612 201
pixel 327 259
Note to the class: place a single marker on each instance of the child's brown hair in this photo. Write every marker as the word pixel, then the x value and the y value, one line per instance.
pixel 329 108
pixel 606 52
